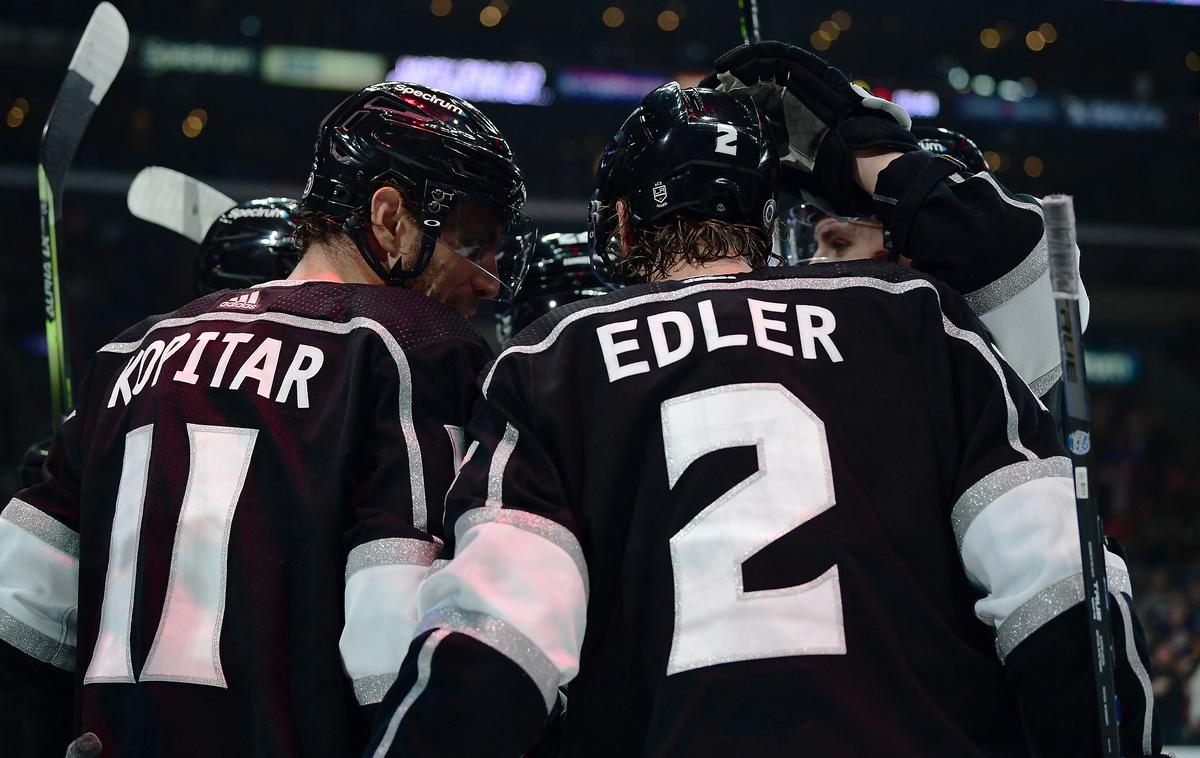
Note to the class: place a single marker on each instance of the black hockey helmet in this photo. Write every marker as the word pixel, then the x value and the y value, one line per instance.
pixel 248 244
pixel 960 147
pixel 560 272
pixel 449 159
pixel 684 150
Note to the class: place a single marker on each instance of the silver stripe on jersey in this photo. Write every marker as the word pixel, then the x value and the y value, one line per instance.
pixel 369 690
pixel 391 551
pixel 46 528
pixel 981 494
pixel 37 645
pixel 1010 408
pixel 424 664
pixel 1046 381
pixel 549 530
pixel 1025 273
pixel 501 637
pixel 1048 605
pixel 1028 271
pixel 706 286
pixel 416 471
pixel 289 283
pixel 1139 670
pixel 500 456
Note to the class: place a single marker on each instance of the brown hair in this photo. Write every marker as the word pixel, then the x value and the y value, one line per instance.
pixel 319 227
pixel 694 241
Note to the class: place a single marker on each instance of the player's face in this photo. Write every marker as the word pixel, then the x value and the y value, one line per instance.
pixel 463 268
pixel 839 240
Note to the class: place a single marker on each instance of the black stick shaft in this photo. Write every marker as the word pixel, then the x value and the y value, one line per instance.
pixel 1091 537
pixel 1064 268
pixel 749 20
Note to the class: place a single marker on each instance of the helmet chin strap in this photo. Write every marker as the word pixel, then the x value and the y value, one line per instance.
pixel 431 216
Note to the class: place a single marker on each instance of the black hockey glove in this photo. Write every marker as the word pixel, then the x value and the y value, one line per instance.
pixel 818 116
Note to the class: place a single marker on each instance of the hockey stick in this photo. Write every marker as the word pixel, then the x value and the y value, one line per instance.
pixel 748 10
pixel 1064 264
pixel 176 201
pixel 97 60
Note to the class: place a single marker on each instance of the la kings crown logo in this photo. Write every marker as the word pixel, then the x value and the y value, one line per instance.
pixel 659 193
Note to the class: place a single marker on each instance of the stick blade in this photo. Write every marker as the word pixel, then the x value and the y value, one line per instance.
pixel 101 50
pixel 176 201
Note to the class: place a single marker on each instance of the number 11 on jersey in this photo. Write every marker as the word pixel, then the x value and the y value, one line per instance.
pixel 716 619
pixel 186 645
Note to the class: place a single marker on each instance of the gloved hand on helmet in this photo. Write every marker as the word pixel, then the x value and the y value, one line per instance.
pixel 819 116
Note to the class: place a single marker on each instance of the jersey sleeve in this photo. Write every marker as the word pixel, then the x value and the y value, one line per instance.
pixel 39 595
pixel 407 457
pixel 1014 519
pixel 506 616
pixel 988 244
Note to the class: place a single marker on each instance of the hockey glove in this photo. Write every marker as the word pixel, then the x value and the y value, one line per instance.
pixel 818 116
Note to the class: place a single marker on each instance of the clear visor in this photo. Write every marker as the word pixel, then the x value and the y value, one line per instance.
pixel 811 234
pixel 497 240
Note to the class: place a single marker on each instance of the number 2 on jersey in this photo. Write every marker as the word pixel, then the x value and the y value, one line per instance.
pixel 185 647
pixel 716 619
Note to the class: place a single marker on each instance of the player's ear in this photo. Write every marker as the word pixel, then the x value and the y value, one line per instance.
pixel 392 223
pixel 386 215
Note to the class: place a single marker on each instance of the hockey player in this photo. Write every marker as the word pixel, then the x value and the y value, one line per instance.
pixel 254 482
pixel 811 232
pixel 249 244
pixel 950 220
pixel 560 272
pixel 751 510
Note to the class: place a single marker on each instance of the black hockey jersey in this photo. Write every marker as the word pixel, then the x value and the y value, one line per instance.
pixel 989 244
pixel 249 484
pixel 790 512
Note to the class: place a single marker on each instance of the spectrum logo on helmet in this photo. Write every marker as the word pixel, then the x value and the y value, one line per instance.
pixel 406 90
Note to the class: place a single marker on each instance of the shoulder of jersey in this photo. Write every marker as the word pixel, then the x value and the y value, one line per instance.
pixel 544 326
pixel 412 318
pixel 202 304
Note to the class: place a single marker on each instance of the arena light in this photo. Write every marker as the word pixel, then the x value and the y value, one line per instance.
pixel 920 103
pixel 320 68
pixel 983 85
pixel 959 78
pixel 1114 114
pixel 613 17
pixel 159 56
pixel 1010 90
pixel 515 82
pixel 606 86
pixel 1112 366
pixel 1031 111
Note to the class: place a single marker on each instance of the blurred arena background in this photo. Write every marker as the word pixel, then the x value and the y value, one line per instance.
pixel 1098 98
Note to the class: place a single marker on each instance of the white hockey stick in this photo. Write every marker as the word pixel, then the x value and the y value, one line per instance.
pixel 176 201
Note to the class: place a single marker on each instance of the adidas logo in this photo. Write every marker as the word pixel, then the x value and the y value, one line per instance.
pixel 246 302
